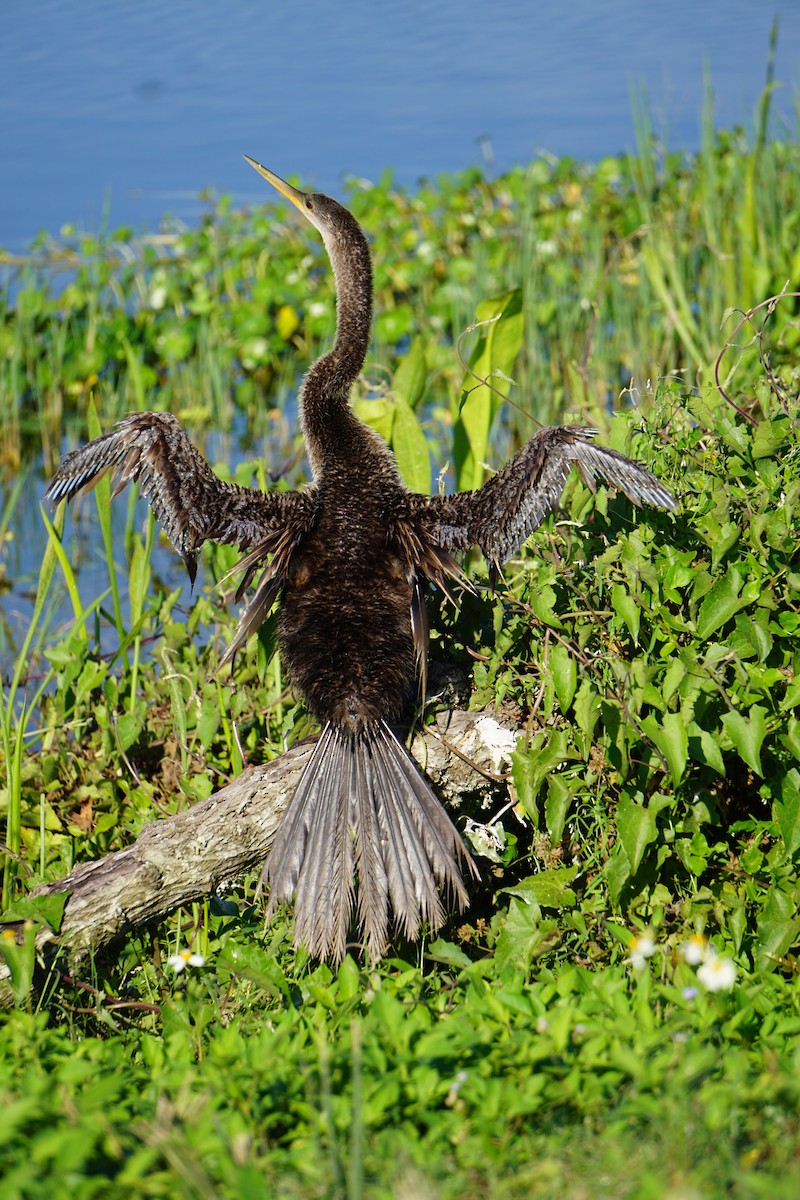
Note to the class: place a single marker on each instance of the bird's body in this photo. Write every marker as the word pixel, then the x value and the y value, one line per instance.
pixel 348 558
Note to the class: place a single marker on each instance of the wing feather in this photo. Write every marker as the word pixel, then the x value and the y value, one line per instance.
pixel 190 503
pixel 502 514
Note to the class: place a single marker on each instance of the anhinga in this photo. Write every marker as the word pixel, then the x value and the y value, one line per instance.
pixel 349 557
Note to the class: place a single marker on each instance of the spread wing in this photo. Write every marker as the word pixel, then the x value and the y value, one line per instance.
pixel 190 503
pixel 502 514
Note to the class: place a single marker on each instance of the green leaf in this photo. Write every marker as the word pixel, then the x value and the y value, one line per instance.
pixel 524 935
pixel 791 738
pixel 493 360
pixel 778 927
pixel 251 962
pixel 43 910
pixel 720 604
pixel 445 952
pixel 411 449
pixel 129 727
pixel 787 811
pixel 672 739
pixel 747 734
pixel 543 605
pixel 560 793
pixel 530 768
pixel 617 872
pixel 704 748
pixel 636 829
pixel 626 607
pixel 411 375
pixel 769 437
pixel 564 674
pixel 586 707
pixel 549 889
pixel 378 414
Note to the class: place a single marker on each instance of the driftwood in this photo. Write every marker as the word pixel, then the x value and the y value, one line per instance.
pixel 184 858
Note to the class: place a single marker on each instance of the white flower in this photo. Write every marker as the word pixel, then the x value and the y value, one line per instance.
pixel 641 948
pixel 186 958
pixel 695 949
pixel 716 974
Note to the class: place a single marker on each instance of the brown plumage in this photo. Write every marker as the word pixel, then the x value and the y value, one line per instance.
pixel 349 557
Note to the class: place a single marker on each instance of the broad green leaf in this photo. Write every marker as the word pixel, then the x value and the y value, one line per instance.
pixel 747 734
pixel 704 748
pixel 129 727
pixel 411 449
pixel 524 935
pixel 560 793
pixel 672 740
pixel 586 707
pixel 550 889
pixel 378 414
pixel 564 674
pixel 769 437
pixel 791 738
pixel 445 952
pixel 787 811
pixel 751 638
pixel 251 962
pixel 636 829
pixel 543 605
pixel 673 678
pixel 617 872
pixel 720 604
pixel 626 607
pixel 493 360
pixel 43 910
pixel 530 768
pixel 778 927
pixel 411 375
pixel 208 722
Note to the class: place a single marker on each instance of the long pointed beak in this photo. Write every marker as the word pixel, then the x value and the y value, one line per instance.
pixel 297 197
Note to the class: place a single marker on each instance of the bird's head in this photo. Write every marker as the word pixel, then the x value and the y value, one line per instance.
pixel 325 214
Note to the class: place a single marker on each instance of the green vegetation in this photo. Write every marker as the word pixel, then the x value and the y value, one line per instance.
pixel 618 1013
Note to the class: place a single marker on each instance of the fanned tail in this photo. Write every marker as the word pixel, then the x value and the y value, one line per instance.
pixel 362 808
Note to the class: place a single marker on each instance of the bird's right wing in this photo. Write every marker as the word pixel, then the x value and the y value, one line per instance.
pixel 190 503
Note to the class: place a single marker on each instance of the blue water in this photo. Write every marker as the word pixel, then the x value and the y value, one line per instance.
pixel 117 112
pixel 131 109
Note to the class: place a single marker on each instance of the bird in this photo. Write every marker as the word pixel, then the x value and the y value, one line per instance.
pixel 349 558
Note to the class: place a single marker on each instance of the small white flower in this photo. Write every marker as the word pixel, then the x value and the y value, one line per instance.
pixel 695 949
pixel 158 296
pixel 455 1088
pixel 641 948
pixel 186 958
pixel 542 1024
pixel 716 974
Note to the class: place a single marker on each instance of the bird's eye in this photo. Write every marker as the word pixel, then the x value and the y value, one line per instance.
pixel 309 205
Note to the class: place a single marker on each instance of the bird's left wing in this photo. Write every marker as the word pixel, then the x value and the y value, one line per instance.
pixel 505 511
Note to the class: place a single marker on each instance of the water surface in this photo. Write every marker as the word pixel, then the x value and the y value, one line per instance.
pixel 133 108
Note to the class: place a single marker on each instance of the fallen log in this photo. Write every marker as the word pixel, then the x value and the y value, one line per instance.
pixel 184 858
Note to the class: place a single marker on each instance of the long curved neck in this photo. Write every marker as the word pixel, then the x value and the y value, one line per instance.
pixel 326 419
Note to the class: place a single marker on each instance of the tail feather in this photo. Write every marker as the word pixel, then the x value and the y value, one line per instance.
pixel 373 883
pixel 325 883
pixel 362 806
